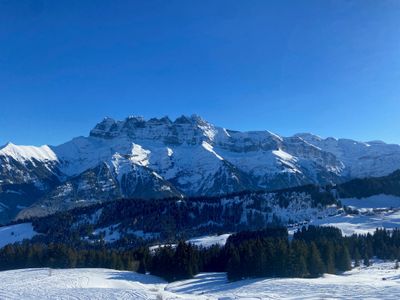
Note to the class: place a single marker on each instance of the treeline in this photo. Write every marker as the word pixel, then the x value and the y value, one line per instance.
pixel 263 253
pixel 366 187
pixel 269 252
pixel 26 255
pixel 383 244
pixel 312 252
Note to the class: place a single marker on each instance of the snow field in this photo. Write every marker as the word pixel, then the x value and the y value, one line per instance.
pixel 16 233
pixel 380 281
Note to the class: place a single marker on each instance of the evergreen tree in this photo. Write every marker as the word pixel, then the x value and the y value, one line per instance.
pixel 233 266
pixel 142 267
pixel 315 264
pixel 343 260
pixel 357 258
pixel 297 266
pixel 328 257
pixel 185 261
pixel 366 261
pixel 280 258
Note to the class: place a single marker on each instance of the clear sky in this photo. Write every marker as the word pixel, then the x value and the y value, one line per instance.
pixel 327 67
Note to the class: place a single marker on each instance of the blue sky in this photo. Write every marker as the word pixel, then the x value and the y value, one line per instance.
pixel 327 67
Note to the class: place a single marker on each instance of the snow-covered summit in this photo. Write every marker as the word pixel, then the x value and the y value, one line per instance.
pixel 168 147
pixel 361 159
pixel 183 130
pixel 25 153
pixel 161 157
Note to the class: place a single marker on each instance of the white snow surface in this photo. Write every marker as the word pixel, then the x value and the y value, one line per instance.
pixel 210 240
pixel 363 223
pixel 111 233
pixel 205 241
pixel 25 153
pixel 78 284
pixel 375 201
pixel 378 211
pixel 361 159
pixel 359 283
pixel 16 233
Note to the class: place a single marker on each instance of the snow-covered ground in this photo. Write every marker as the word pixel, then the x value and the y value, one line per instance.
pixel 79 284
pixel 360 283
pixel 16 233
pixel 208 241
pixel 378 211
pixel 363 223
pixel 380 281
pixel 203 241
pixel 375 201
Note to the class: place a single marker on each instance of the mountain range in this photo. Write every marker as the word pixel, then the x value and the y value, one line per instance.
pixel 161 158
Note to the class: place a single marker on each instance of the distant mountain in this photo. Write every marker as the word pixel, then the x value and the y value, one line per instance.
pixel 159 158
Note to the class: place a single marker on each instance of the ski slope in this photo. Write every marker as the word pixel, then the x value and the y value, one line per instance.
pixel 380 281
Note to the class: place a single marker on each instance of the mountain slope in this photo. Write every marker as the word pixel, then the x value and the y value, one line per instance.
pixel 132 222
pixel 160 158
pixel 366 187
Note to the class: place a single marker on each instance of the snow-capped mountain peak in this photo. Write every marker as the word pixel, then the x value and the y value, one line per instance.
pixel 28 153
pixel 187 156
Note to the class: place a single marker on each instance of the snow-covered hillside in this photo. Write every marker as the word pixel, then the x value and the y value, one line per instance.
pixel 210 240
pixel 205 241
pixel 360 283
pixel 375 201
pixel 362 223
pixel 378 211
pixel 252 210
pixel 159 158
pixel 16 233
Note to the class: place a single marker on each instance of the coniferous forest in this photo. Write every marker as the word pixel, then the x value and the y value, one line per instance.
pixel 270 252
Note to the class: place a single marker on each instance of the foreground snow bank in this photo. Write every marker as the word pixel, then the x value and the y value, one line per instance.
pixel 79 284
pixel 379 281
pixel 361 283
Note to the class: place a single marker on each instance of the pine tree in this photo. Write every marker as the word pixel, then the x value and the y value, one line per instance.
pixel 233 266
pixel 280 257
pixel 315 265
pixel 142 267
pixel 328 257
pixel 366 261
pixel 343 260
pixel 357 258
pixel 185 261
pixel 297 266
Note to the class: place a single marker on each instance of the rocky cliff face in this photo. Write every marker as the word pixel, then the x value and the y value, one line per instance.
pixel 187 157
